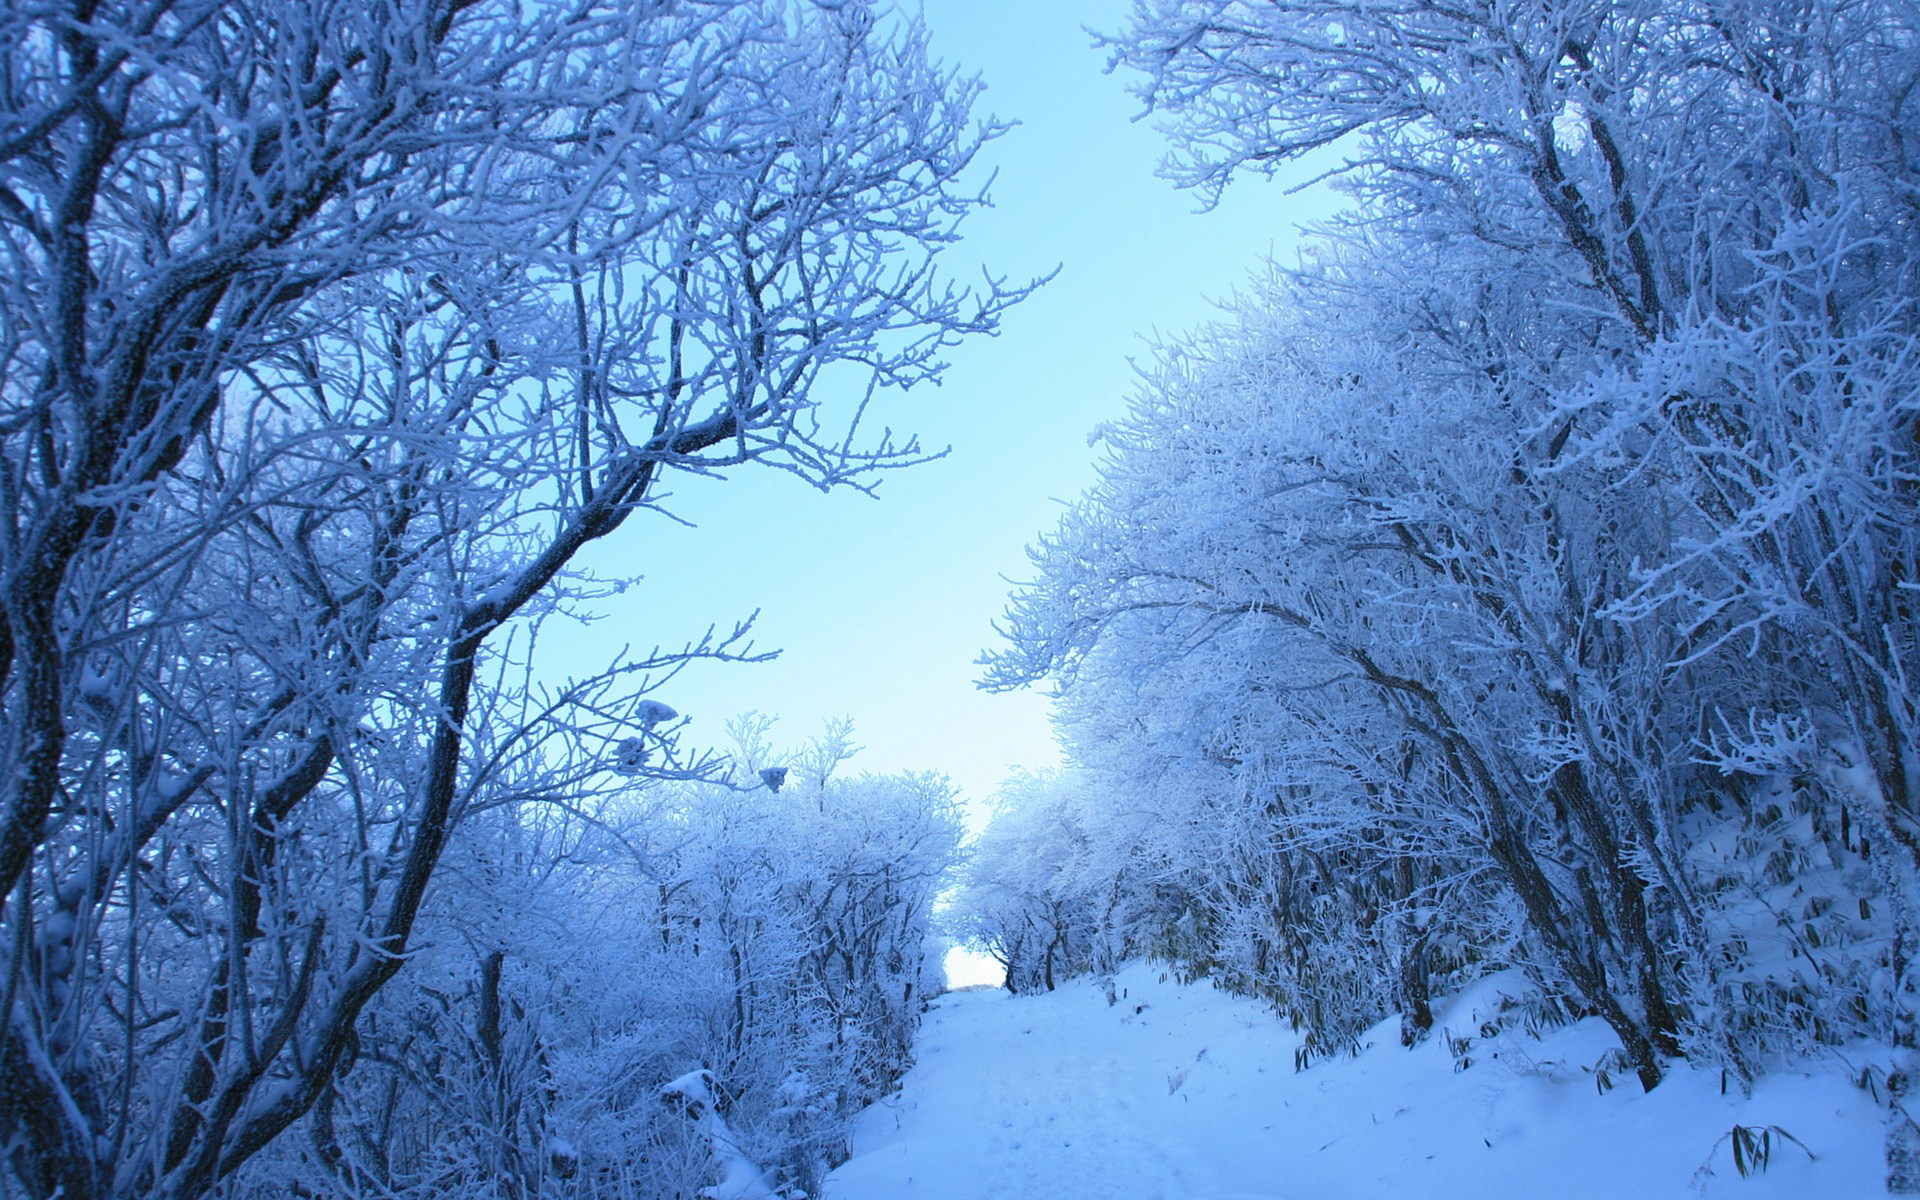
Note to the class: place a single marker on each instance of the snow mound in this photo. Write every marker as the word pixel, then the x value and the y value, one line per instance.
pixel 1185 1093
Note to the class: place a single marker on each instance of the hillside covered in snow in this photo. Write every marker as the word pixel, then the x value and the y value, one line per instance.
pixel 1185 1093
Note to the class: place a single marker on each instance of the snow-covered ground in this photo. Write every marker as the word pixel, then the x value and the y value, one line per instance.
pixel 1189 1094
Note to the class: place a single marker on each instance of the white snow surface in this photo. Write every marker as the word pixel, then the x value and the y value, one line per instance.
pixel 1182 1092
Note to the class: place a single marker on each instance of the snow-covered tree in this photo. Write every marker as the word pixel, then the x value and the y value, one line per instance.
pixel 1029 899
pixel 329 336
pixel 1528 570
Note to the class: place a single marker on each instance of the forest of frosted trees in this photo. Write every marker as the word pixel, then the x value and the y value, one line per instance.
pixel 1527 577
pixel 1524 580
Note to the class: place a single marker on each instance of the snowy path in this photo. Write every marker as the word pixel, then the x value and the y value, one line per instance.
pixel 1185 1094
pixel 1033 1107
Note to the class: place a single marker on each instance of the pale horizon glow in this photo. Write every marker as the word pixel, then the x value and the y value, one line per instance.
pixel 967 967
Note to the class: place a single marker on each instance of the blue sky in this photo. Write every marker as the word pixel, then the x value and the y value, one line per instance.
pixel 881 606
